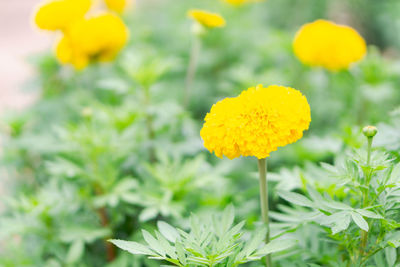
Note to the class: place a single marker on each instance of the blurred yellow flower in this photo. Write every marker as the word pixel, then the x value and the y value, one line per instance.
pixel 241 2
pixel 97 38
pixel 256 122
pixel 207 19
pixel 60 14
pixel 116 5
pixel 329 45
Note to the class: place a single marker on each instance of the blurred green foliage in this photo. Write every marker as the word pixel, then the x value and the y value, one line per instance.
pixel 110 150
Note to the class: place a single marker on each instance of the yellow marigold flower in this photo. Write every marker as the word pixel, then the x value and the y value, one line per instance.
pixel 116 5
pixel 98 38
pixel 60 14
pixel 207 19
pixel 241 2
pixel 329 45
pixel 256 122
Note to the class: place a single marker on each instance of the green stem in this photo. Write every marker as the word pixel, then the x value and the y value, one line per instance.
pixel 149 124
pixel 194 55
pixel 364 234
pixel 262 168
pixel 369 150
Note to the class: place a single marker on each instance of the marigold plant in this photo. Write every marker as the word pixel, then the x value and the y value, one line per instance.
pixel 241 2
pixel 329 45
pixel 97 38
pixel 256 123
pixel 207 19
pixel 116 5
pixel 60 14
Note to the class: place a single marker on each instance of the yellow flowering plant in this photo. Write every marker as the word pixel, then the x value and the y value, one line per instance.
pixel 329 45
pixel 255 123
pixel 98 38
pixel 241 2
pixel 207 19
pixel 116 5
pixel 60 14
pixel 203 20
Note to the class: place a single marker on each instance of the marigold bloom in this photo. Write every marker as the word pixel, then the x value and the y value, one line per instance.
pixel 60 14
pixel 241 2
pixel 256 122
pixel 207 19
pixel 116 5
pixel 329 45
pixel 98 38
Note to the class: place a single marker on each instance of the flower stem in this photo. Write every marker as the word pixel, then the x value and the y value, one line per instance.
pixel 194 55
pixel 364 234
pixel 102 213
pixel 149 123
pixel 262 168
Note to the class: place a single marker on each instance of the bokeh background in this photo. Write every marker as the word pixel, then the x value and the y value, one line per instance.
pixel 66 132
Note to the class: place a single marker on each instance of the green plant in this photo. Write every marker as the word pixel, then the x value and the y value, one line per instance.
pixel 214 241
pixel 360 213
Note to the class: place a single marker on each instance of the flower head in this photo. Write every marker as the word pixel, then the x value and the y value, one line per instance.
pixel 256 122
pixel 116 5
pixel 60 14
pixel 98 38
pixel 241 2
pixel 207 19
pixel 329 45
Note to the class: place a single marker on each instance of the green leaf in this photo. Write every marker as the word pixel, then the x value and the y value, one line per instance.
pixel 337 205
pixel 391 256
pixel 170 251
pixel 153 243
pixel 276 246
pixel 255 242
pixel 75 251
pixel 394 239
pixel 132 247
pixel 360 221
pixel 368 214
pixel 296 199
pixel 168 231
pixel 180 251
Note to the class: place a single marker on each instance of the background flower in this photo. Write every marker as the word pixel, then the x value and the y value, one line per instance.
pixel 207 19
pixel 241 2
pixel 116 5
pixel 60 14
pixel 329 45
pixel 98 38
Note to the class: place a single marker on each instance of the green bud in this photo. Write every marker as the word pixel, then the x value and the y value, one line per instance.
pixel 87 112
pixel 370 131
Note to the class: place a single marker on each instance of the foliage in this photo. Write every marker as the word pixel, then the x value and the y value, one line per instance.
pixel 111 150
pixel 213 242
pixel 358 208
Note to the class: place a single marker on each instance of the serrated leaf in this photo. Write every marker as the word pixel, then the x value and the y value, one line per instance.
pixel 360 221
pixel 153 243
pixel 168 231
pixel 170 251
pixel 180 251
pixel 296 198
pixel 276 246
pixel 368 214
pixel 132 247
pixel 255 242
pixel 391 256
pixel 75 251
